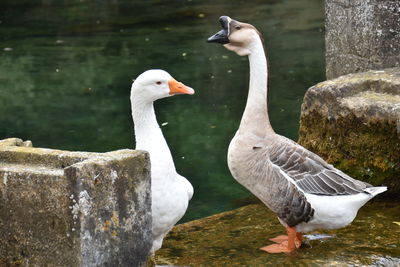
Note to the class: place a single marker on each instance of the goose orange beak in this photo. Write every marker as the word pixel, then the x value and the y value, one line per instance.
pixel 177 88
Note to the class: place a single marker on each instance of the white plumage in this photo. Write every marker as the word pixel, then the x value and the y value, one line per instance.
pixel 171 192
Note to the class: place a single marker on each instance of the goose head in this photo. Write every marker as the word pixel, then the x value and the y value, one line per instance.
pixel 156 84
pixel 236 36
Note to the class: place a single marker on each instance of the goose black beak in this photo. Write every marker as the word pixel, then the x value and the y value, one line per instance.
pixel 221 36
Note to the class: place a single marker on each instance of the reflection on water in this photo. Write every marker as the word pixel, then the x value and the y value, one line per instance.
pixel 317 236
pixel 66 68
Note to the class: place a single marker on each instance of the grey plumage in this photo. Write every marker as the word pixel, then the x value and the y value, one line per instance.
pixel 310 172
pixel 265 179
pixel 296 184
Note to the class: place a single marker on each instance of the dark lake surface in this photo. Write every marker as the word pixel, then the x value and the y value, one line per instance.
pixel 66 69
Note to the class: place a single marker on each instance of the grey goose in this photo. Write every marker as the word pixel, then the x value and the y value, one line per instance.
pixel 304 191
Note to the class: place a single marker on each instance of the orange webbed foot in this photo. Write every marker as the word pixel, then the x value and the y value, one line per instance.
pixel 285 244
pixel 279 239
pixel 284 239
pixel 278 248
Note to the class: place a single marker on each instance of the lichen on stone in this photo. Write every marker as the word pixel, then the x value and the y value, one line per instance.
pixel 353 123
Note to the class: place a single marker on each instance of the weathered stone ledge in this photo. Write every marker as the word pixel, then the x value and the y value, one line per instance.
pixel 361 35
pixel 62 208
pixel 354 123
pixel 232 239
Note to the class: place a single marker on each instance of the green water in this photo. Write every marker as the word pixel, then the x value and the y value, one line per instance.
pixel 66 69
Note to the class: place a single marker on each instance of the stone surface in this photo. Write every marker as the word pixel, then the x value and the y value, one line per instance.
pixel 233 239
pixel 353 122
pixel 61 208
pixel 361 35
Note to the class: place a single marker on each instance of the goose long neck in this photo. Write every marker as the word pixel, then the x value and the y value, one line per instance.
pixel 148 134
pixel 255 117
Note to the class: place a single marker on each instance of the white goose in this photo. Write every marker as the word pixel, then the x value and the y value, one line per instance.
pixel 170 191
pixel 303 190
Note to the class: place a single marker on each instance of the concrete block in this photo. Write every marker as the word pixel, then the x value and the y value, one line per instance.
pixel 61 208
pixel 354 123
pixel 361 35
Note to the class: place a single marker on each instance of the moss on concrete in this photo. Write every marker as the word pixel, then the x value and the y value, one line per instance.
pixel 62 208
pixel 233 238
pixel 366 151
pixel 353 122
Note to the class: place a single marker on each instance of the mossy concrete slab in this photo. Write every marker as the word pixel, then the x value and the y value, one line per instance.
pixel 233 239
pixel 62 208
pixel 353 122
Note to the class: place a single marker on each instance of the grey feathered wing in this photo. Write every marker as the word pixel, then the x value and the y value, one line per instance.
pixel 310 172
pixel 289 171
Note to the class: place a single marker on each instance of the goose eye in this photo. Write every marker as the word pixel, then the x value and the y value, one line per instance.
pixel 158 82
pixel 237 27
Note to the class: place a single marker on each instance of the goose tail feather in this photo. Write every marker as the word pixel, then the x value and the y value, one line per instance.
pixel 375 190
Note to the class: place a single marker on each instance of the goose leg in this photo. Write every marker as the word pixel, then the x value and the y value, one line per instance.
pixel 286 246
pixel 299 239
